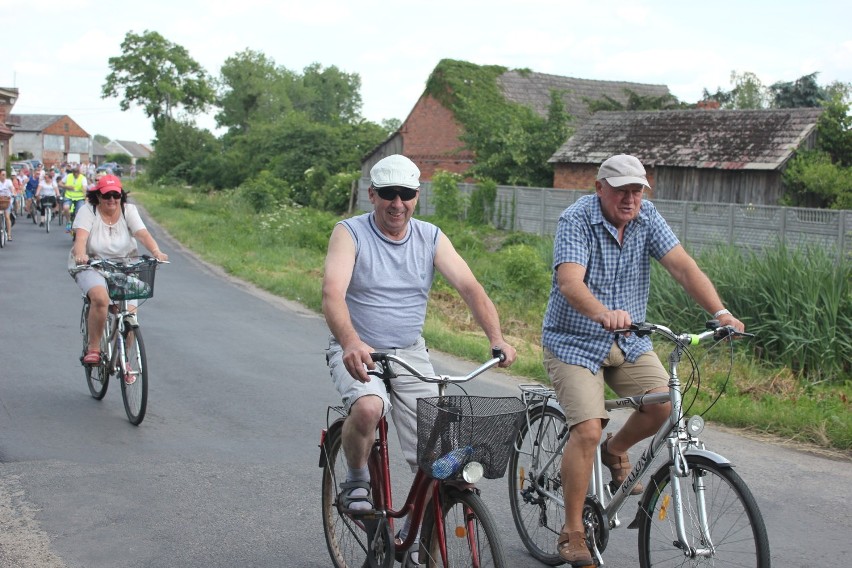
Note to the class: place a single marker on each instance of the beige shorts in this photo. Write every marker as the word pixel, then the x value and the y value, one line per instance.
pixel 581 393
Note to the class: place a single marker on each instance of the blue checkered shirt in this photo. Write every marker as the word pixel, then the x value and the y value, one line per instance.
pixel 619 276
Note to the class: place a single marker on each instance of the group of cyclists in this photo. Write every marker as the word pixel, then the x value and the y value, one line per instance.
pixel 62 188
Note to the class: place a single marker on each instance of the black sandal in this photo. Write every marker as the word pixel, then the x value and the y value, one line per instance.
pixel 345 499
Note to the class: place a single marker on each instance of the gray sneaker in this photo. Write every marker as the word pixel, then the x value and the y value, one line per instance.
pixel 131 321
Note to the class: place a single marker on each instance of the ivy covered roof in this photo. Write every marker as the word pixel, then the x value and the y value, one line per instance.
pixel 459 85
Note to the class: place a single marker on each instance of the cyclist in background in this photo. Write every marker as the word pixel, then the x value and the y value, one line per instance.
pixel 7 189
pixel 378 273
pixel 47 195
pixel 29 191
pixel 75 186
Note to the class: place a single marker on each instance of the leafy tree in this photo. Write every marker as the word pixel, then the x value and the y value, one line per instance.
pixel 803 92
pixel 329 95
pixel 835 125
pixel 101 139
pixel 158 76
pixel 252 87
pixel 635 101
pixel 812 179
pixel 391 125
pixel 194 155
pixel 748 93
pixel 119 158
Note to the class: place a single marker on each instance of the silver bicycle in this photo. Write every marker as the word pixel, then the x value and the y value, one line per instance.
pixel 122 348
pixel 695 510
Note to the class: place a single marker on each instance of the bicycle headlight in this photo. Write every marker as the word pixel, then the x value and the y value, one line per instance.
pixel 695 425
pixel 473 472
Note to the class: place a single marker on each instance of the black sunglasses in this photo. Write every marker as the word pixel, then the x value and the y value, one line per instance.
pixel 111 195
pixel 390 193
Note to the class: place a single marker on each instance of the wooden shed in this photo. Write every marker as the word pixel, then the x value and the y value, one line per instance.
pixel 722 156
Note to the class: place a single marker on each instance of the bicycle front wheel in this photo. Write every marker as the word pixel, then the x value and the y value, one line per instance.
pixel 97 376
pixel 47 218
pixel 723 524
pixel 534 481
pixel 352 542
pixel 470 534
pixel 133 374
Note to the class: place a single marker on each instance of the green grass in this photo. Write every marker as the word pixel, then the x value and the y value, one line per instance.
pixel 792 381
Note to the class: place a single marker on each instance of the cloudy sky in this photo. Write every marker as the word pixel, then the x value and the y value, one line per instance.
pixel 56 51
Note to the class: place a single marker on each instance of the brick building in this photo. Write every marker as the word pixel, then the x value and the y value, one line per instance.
pixel 8 97
pixel 431 135
pixel 51 138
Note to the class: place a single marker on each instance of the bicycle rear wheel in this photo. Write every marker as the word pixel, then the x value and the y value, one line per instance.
pixel 538 516
pixel 133 374
pixel 470 533
pixel 352 542
pixel 97 376
pixel 736 530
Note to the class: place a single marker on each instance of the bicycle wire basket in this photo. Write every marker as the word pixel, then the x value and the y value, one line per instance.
pixel 134 282
pixel 482 428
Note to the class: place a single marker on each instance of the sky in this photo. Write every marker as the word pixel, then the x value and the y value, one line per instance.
pixel 56 52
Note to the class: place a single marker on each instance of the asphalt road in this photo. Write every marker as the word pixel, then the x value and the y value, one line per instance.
pixel 223 471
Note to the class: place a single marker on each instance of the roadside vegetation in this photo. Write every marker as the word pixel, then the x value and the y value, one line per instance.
pixel 792 381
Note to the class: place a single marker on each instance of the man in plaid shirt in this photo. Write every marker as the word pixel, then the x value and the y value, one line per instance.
pixel 602 268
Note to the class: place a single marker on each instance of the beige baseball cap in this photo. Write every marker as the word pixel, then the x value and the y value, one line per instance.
pixel 623 169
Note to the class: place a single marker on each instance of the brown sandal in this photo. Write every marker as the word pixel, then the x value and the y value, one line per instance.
pixel 619 467
pixel 572 548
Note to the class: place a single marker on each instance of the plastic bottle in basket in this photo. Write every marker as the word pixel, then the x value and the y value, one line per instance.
pixel 448 464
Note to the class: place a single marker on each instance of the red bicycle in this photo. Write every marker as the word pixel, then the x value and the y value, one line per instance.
pixel 461 439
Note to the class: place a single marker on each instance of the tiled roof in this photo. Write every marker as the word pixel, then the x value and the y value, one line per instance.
pixel 533 90
pixel 32 122
pixel 136 150
pixel 725 139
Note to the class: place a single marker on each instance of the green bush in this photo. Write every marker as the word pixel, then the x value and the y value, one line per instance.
pixel 335 192
pixel 524 270
pixel 263 191
pixel 446 195
pixel 481 210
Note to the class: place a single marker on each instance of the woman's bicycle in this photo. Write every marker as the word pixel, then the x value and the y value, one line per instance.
pixel 122 348
pixel 695 510
pixel 4 231
pixel 460 440
pixel 46 211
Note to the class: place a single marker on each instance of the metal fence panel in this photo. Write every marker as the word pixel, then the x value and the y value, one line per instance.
pixel 697 224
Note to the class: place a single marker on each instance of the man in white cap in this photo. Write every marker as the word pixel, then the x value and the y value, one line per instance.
pixel 378 273
pixel 601 262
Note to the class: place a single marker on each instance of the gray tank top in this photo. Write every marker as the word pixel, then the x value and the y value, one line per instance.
pixel 390 281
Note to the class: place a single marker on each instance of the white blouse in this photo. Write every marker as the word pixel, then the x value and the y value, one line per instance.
pixel 108 241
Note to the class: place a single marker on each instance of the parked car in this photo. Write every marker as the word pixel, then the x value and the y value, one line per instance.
pixel 18 166
pixel 113 167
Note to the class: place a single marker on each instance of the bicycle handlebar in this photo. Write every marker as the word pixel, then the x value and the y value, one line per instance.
pixel 117 264
pixel 714 330
pixel 386 371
